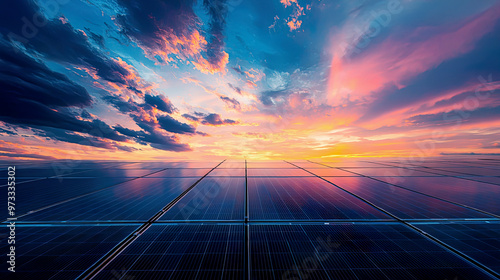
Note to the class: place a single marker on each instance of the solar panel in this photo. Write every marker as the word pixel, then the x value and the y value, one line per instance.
pixel 389 172
pixel 41 193
pixel 212 199
pixel 190 251
pixel 135 200
pixel 181 172
pixel 401 202
pixel 479 240
pixel 285 172
pixel 61 252
pixel 351 251
pixel 475 194
pixel 304 198
pixel 256 220
pixel 331 172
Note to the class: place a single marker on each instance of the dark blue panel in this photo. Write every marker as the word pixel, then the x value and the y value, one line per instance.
pixel 351 251
pixel 403 203
pixel 475 194
pixel 37 194
pixel 479 240
pixel 304 198
pixel 331 172
pixel 111 172
pixel 390 172
pixel 140 165
pixel 139 199
pixel 471 171
pixel 278 172
pixel 181 172
pixel 212 199
pixel 61 252
pixel 182 252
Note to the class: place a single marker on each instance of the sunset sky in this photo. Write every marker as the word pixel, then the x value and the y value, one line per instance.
pixel 261 79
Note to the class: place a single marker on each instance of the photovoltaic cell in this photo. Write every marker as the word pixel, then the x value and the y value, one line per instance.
pixel 479 240
pixel 120 173
pixel 389 172
pixel 135 200
pixel 61 252
pixel 490 180
pixel 212 199
pixel 147 165
pixel 36 194
pixel 471 171
pixel 224 172
pixel 232 164
pixel 269 164
pixel 189 251
pixel 277 172
pixel 304 198
pixel 475 194
pixel 403 203
pixel 351 251
pixel 181 172
pixel 330 172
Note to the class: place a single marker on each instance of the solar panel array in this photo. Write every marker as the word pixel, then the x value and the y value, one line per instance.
pixel 385 219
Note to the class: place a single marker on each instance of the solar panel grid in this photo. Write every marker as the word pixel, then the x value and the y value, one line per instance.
pixel 195 251
pixel 474 194
pixel 135 200
pixel 403 203
pixel 351 252
pixel 62 252
pixel 212 199
pixel 304 199
pixel 208 251
pixel 479 240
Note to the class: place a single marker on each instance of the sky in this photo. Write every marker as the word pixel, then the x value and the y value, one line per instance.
pixel 260 79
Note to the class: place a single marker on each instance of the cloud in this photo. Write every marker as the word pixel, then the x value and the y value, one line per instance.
pixel 147 118
pixel 212 119
pixel 154 138
pixel 172 125
pixel 160 102
pixel 7 132
pixel 25 78
pixel 171 30
pixel 48 102
pixel 231 102
pixel 18 155
pixel 57 41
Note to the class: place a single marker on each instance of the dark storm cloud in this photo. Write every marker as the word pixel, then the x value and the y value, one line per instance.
pixel 172 125
pixel 209 119
pixel 147 21
pixel 160 102
pixel 23 77
pixel 154 138
pixel 44 100
pixel 56 40
pixel 7 132
pixel 217 9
